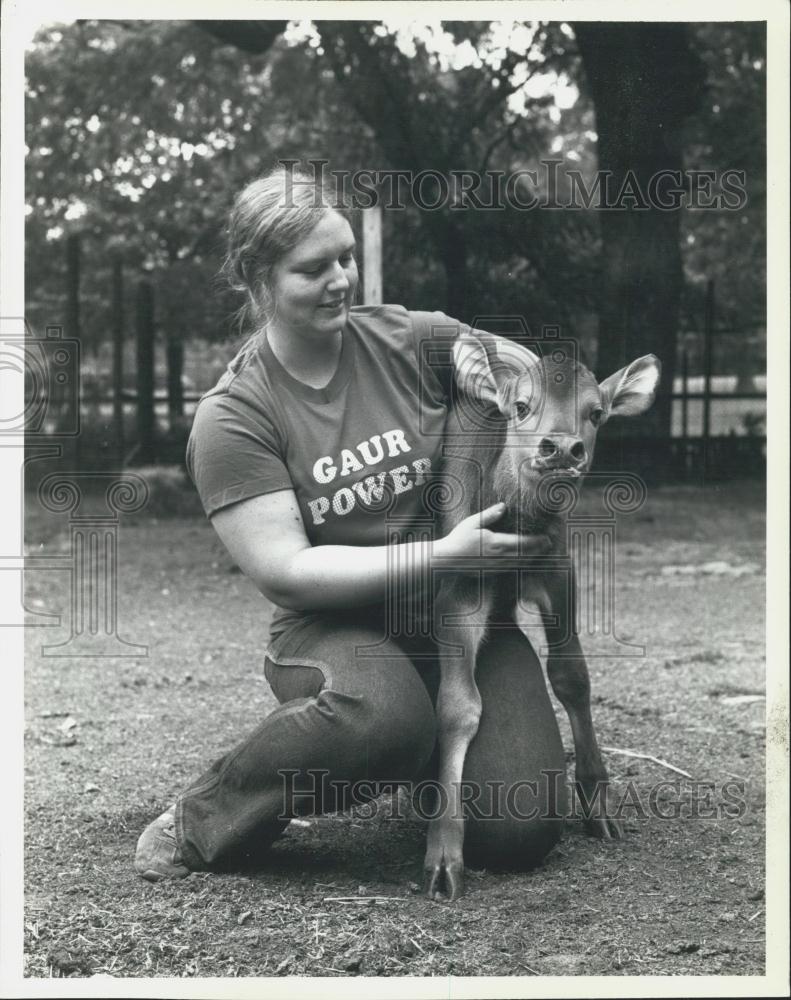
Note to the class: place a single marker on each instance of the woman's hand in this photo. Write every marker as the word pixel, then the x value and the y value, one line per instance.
pixel 472 538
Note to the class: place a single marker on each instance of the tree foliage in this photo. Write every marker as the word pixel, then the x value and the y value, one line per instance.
pixel 141 132
pixel 149 169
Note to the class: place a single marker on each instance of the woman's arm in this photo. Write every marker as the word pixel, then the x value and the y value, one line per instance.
pixel 266 537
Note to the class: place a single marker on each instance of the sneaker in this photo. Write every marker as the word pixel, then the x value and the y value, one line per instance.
pixel 157 854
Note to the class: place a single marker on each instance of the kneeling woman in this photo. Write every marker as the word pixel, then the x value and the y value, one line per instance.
pixel 313 457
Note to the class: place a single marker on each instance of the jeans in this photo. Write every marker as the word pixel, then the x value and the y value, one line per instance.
pixel 356 709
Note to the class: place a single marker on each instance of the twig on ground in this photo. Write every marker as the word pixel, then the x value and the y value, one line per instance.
pixel 430 937
pixel 364 899
pixel 647 756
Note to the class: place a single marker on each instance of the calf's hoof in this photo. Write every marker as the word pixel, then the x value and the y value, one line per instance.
pixel 595 801
pixel 444 881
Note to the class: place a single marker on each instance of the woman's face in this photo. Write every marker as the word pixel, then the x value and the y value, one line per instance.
pixel 314 283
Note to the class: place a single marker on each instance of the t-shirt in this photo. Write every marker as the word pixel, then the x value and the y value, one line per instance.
pixel 359 453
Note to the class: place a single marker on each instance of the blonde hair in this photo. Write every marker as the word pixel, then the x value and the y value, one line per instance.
pixel 269 217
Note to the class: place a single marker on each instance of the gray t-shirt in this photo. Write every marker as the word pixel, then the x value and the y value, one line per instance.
pixel 359 454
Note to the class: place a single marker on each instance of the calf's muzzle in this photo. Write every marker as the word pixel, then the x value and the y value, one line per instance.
pixel 561 451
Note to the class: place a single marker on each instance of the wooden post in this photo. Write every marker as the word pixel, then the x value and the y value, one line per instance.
pixel 372 255
pixel 118 355
pixel 708 333
pixel 175 363
pixel 684 397
pixel 145 371
pixel 685 456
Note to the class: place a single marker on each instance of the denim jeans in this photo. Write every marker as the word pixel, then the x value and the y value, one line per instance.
pixel 356 710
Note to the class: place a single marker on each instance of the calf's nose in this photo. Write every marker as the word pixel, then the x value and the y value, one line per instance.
pixel 562 451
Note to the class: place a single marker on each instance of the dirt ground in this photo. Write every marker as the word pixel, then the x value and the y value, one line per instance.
pixel 109 741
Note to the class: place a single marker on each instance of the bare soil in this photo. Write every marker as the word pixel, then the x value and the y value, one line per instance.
pixel 109 742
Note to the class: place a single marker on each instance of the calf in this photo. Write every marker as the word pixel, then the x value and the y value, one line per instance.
pixel 534 426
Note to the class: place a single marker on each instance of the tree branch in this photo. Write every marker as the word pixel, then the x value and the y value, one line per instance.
pixel 255 37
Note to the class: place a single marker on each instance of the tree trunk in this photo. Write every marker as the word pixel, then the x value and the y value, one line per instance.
pixel 644 80
pixel 175 362
pixel 73 255
pixel 454 260
pixel 118 354
pixel 145 373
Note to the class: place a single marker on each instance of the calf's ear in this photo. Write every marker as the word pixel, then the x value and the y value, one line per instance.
pixel 631 390
pixel 485 368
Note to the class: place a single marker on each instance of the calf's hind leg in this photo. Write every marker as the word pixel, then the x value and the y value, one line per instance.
pixel 571 683
pixel 568 675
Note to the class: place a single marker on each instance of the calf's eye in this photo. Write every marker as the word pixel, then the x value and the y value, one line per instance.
pixel 596 416
pixel 522 410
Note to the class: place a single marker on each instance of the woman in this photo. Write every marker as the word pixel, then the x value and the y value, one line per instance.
pixel 311 454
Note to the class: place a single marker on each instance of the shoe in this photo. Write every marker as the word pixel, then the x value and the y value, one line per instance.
pixel 158 856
